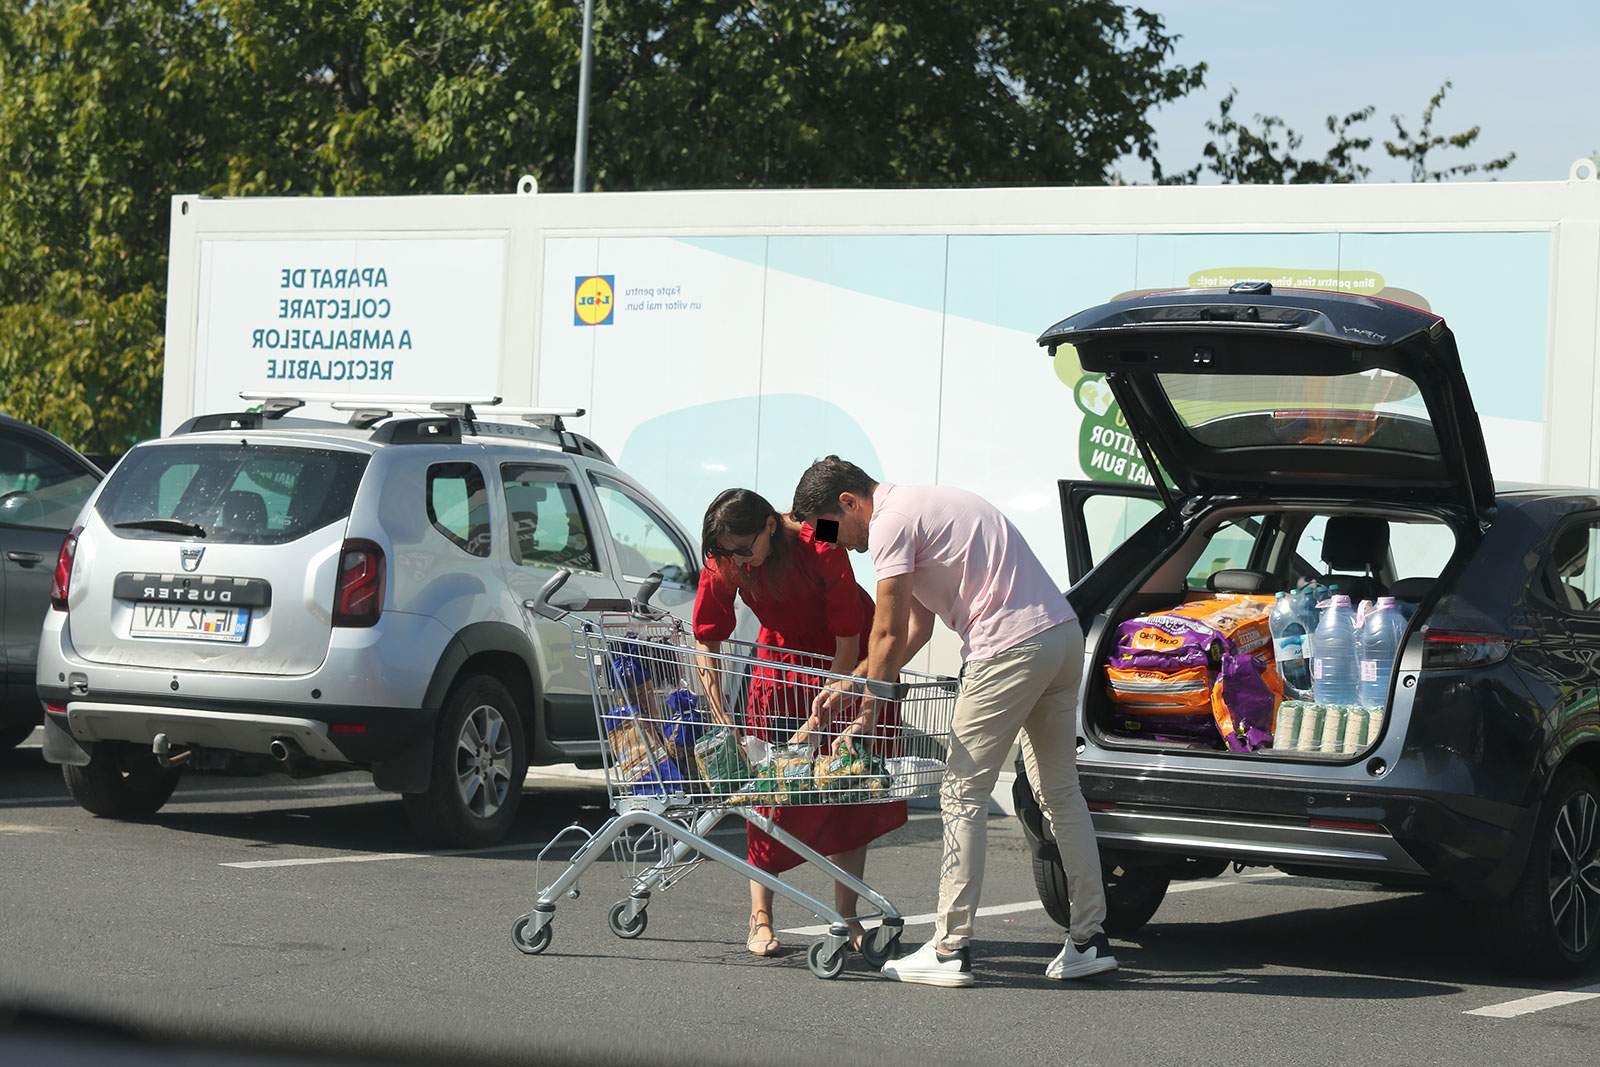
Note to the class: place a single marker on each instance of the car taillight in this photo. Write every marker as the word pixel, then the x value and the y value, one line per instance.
pixel 358 599
pixel 1454 649
pixel 62 585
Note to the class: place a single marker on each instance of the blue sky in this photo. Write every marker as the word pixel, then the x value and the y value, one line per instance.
pixel 1528 73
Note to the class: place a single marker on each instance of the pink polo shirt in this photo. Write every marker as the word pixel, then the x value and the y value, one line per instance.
pixel 968 565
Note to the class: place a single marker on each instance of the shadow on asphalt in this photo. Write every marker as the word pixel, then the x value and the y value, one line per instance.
pixel 1399 947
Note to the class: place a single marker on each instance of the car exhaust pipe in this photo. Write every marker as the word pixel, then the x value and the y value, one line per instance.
pixel 284 749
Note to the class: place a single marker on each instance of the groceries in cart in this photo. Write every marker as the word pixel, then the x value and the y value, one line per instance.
pixel 680 757
pixel 1201 672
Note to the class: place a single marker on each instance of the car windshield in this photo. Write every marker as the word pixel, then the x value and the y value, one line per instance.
pixel 235 494
pixel 1374 409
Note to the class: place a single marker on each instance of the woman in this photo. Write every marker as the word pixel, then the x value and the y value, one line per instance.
pixel 813 615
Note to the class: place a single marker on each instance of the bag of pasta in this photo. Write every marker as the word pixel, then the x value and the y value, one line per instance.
pixel 721 760
pixel 850 775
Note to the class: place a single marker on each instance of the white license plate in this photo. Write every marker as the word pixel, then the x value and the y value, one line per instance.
pixel 193 624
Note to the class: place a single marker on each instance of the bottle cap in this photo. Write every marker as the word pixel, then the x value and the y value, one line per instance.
pixel 1340 600
pixel 1386 602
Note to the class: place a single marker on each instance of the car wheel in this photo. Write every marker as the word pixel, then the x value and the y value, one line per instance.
pixel 1132 894
pixel 479 762
pixel 12 736
pixel 1551 922
pixel 121 781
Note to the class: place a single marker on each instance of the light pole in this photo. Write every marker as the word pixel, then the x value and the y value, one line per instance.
pixel 579 153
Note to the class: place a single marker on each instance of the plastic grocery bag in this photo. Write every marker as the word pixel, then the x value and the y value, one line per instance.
pixel 682 723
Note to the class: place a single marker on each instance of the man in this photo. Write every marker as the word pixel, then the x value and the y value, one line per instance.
pixel 948 553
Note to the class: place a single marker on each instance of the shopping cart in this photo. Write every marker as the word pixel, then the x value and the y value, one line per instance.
pixel 683 751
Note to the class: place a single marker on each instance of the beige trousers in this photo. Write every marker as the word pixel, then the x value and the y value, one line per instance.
pixel 1032 688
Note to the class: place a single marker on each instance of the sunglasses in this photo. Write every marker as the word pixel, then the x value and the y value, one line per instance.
pixel 740 553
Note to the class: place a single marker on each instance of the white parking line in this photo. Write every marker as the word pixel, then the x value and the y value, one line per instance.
pixel 378 857
pixel 927 918
pixel 1528 1005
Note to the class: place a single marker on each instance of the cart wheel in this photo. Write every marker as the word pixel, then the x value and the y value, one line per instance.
pixel 535 943
pixel 877 948
pixel 820 967
pixel 624 929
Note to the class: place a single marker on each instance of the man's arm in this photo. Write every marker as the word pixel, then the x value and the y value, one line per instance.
pixel 891 643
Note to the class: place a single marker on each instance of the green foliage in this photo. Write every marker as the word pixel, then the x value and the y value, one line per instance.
pixel 1415 148
pixel 86 367
pixel 1238 154
pixel 110 107
pixel 1266 154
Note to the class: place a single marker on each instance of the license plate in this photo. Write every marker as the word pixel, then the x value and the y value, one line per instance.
pixel 189 623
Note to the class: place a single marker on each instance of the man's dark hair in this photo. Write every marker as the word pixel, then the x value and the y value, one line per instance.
pixel 821 484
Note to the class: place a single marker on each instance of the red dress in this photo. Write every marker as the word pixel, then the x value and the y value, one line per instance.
pixel 815 603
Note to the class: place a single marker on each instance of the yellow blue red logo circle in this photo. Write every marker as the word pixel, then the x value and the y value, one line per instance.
pixel 594 301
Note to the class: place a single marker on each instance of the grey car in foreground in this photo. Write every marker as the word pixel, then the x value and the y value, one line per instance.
pixel 332 596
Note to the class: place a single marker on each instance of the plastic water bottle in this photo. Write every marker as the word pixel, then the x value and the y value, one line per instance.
pixel 1291 621
pixel 1333 655
pixel 1377 645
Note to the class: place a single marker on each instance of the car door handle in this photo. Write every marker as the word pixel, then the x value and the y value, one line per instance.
pixel 25 559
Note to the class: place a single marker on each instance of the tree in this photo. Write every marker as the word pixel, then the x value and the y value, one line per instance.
pixel 1239 155
pixel 109 107
pixel 1266 154
pixel 1416 148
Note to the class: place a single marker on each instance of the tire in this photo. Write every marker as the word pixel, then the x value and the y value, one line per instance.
pixel 121 781
pixel 1550 924
pixel 479 761
pixel 531 945
pixel 12 736
pixel 829 968
pixel 626 931
pixel 1132 895
pixel 879 946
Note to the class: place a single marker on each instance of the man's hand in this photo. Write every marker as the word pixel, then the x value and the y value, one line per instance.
pixel 864 722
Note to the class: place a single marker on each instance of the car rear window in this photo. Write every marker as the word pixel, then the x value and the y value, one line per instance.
pixel 238 494
pixel 1373 409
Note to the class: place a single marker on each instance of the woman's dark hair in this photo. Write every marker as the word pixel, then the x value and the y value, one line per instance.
pixel 741 513
pixel 821 484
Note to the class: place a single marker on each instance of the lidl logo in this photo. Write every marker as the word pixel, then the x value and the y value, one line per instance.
pixel 594 300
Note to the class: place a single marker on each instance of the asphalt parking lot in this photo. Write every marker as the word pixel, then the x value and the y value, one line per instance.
pixel 260 914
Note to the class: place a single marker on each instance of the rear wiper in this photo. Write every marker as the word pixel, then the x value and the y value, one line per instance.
pixel 176 526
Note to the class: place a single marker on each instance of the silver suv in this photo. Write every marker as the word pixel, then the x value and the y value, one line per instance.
pixel 344 595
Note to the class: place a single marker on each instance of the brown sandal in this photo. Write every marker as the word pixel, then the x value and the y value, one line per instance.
pixel 766 946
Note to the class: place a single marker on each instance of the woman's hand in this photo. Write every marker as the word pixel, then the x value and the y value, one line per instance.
pixel 831 701
pixel 802 736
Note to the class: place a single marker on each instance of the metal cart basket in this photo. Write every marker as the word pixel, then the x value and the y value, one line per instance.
pixel 692 738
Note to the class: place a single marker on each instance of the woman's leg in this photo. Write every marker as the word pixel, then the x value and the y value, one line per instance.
pixel 844 898
pixel 762 939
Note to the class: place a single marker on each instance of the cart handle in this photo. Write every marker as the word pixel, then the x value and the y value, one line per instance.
pixel 541 601
pixel 647 589
pixel 540 604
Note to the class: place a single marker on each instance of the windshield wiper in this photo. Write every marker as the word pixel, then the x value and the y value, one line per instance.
pixel 176 526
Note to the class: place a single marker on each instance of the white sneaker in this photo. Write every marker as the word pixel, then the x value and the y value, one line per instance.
pixel 929 966
pixel 1080 961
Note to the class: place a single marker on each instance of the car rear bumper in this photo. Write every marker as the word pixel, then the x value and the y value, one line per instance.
pixel 1468 843
pixel 356 735
pixel 1246 839
pixel 225 730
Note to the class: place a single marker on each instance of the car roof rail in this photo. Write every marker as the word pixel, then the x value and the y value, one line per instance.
pixel 544 429
pixel 368 409
pixel 437 430
pixel 273 409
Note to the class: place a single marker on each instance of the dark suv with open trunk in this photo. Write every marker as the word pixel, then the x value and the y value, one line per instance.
pixel 1317 437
